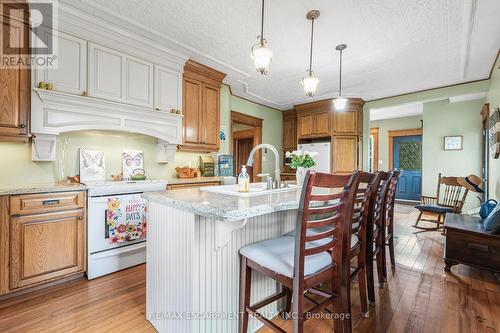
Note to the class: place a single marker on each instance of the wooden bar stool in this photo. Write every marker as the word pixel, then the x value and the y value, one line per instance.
pixel 388 226
pixel 375 241
pixel 355 239
pixel 302 262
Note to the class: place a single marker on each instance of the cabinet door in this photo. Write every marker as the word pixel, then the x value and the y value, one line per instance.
pixel 322 124
pixel 192 112
pixel 305 124
pixel 15 82
pixel 345 122
pixel 138 82
pixel 70 75
pixel 344 153
pixel 168 93
pixel 289 134
pixel 210 117
pixel 46 246
pixel 106 73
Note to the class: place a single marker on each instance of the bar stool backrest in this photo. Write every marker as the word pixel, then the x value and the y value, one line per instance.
pixel 364 202
pixel 390 197
pixel 378 209
pixel 326 203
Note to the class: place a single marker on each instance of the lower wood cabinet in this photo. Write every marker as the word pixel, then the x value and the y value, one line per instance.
pixel 47 246
pixel 42 238
pixel 344 154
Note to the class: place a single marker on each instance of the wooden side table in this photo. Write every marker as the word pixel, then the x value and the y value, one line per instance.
pixel 468 243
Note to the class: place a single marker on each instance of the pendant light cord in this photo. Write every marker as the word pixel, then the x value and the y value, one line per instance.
pixel 340 76
pixel 311 51
pixel 262 26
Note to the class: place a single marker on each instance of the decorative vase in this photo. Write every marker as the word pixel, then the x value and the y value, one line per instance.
pixel 300 174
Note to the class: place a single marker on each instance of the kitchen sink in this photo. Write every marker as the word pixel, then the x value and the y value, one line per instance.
pixel 255 189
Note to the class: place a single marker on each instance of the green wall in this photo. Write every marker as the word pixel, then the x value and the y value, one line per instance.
pixel 18 167
pixel 493 97
pixel 442 118
pixel 386 125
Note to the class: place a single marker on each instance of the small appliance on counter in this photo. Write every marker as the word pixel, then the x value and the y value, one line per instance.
pixel 207 166
pixel 225 165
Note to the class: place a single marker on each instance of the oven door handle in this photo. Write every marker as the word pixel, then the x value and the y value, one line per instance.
pixel 106 228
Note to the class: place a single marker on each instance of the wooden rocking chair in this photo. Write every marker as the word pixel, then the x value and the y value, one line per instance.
pixel 450 199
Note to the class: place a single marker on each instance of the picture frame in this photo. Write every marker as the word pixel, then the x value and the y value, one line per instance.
pixel 453 142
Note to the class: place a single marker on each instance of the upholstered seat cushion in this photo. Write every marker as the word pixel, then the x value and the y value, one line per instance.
pixel 278 255
pixel 434 209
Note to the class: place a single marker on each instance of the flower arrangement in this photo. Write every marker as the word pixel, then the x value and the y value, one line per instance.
pixel 302 159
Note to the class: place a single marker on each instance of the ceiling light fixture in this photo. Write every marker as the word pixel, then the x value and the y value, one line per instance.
pixel 340 102
pixel 310 83
pixel 261 54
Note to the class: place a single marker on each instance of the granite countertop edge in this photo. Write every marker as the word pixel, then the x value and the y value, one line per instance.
pixel 211 211
pixel 39 188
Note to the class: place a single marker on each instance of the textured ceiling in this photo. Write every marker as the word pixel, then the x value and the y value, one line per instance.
pixel 394 46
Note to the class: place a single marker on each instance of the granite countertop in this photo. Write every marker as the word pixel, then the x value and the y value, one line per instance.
pixel 225 207
pixel 40 188
pixel 173 181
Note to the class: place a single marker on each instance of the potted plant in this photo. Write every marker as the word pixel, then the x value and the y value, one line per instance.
pixel 301 161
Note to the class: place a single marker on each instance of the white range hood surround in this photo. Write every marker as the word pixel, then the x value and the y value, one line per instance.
pixel 63 112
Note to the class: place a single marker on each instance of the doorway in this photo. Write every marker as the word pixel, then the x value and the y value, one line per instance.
pixel 246 133
pixel 405 152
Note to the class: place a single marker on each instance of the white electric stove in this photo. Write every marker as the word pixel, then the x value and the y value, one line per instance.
pixel 103 256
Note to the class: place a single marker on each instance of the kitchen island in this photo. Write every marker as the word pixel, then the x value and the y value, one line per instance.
pixel 193 264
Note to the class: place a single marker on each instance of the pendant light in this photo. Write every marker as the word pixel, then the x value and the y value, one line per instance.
pixel 310 83
pixel 340 102
pixel 261 54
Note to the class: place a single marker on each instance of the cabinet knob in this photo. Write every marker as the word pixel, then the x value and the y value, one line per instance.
pixel 22 126
pixel 79 218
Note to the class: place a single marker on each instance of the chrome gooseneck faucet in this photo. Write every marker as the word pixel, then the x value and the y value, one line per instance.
pixel 277 172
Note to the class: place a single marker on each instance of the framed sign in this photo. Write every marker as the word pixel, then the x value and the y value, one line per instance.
pixel 453 142
pixel 91 165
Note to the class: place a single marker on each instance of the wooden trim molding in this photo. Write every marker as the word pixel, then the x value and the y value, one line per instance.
pixel 197 71
pixel 245 119
pixel 374 132
pixel 397 133
pixel 255 132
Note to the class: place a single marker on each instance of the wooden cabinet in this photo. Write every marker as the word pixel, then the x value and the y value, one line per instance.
pixel 345 122
pixel 114 75
pixel 201 108
pixel 42 238
pixel 313 124
pixel 44 247
pixel 70 75
pixel 15 81
pixel 289 130
pixel 344 154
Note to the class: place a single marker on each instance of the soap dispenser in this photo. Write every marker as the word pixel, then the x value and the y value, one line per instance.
pixel 243 180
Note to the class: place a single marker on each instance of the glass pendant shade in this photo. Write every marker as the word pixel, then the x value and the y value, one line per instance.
pixel 310 84
pixel 340 103
pixel 262 56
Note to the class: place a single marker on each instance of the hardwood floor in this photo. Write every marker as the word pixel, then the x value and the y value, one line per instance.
pixel 419 297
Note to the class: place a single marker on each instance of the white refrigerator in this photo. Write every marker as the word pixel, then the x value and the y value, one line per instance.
pixel 323 158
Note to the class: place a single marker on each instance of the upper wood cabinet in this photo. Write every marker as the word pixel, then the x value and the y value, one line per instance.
pixel 120 77
pixel 15 82
pixel 350 121
pixel 201 108
pixel 313 120
pixel 289 130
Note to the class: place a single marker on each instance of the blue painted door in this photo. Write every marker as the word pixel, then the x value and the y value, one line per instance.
pixel 408 156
